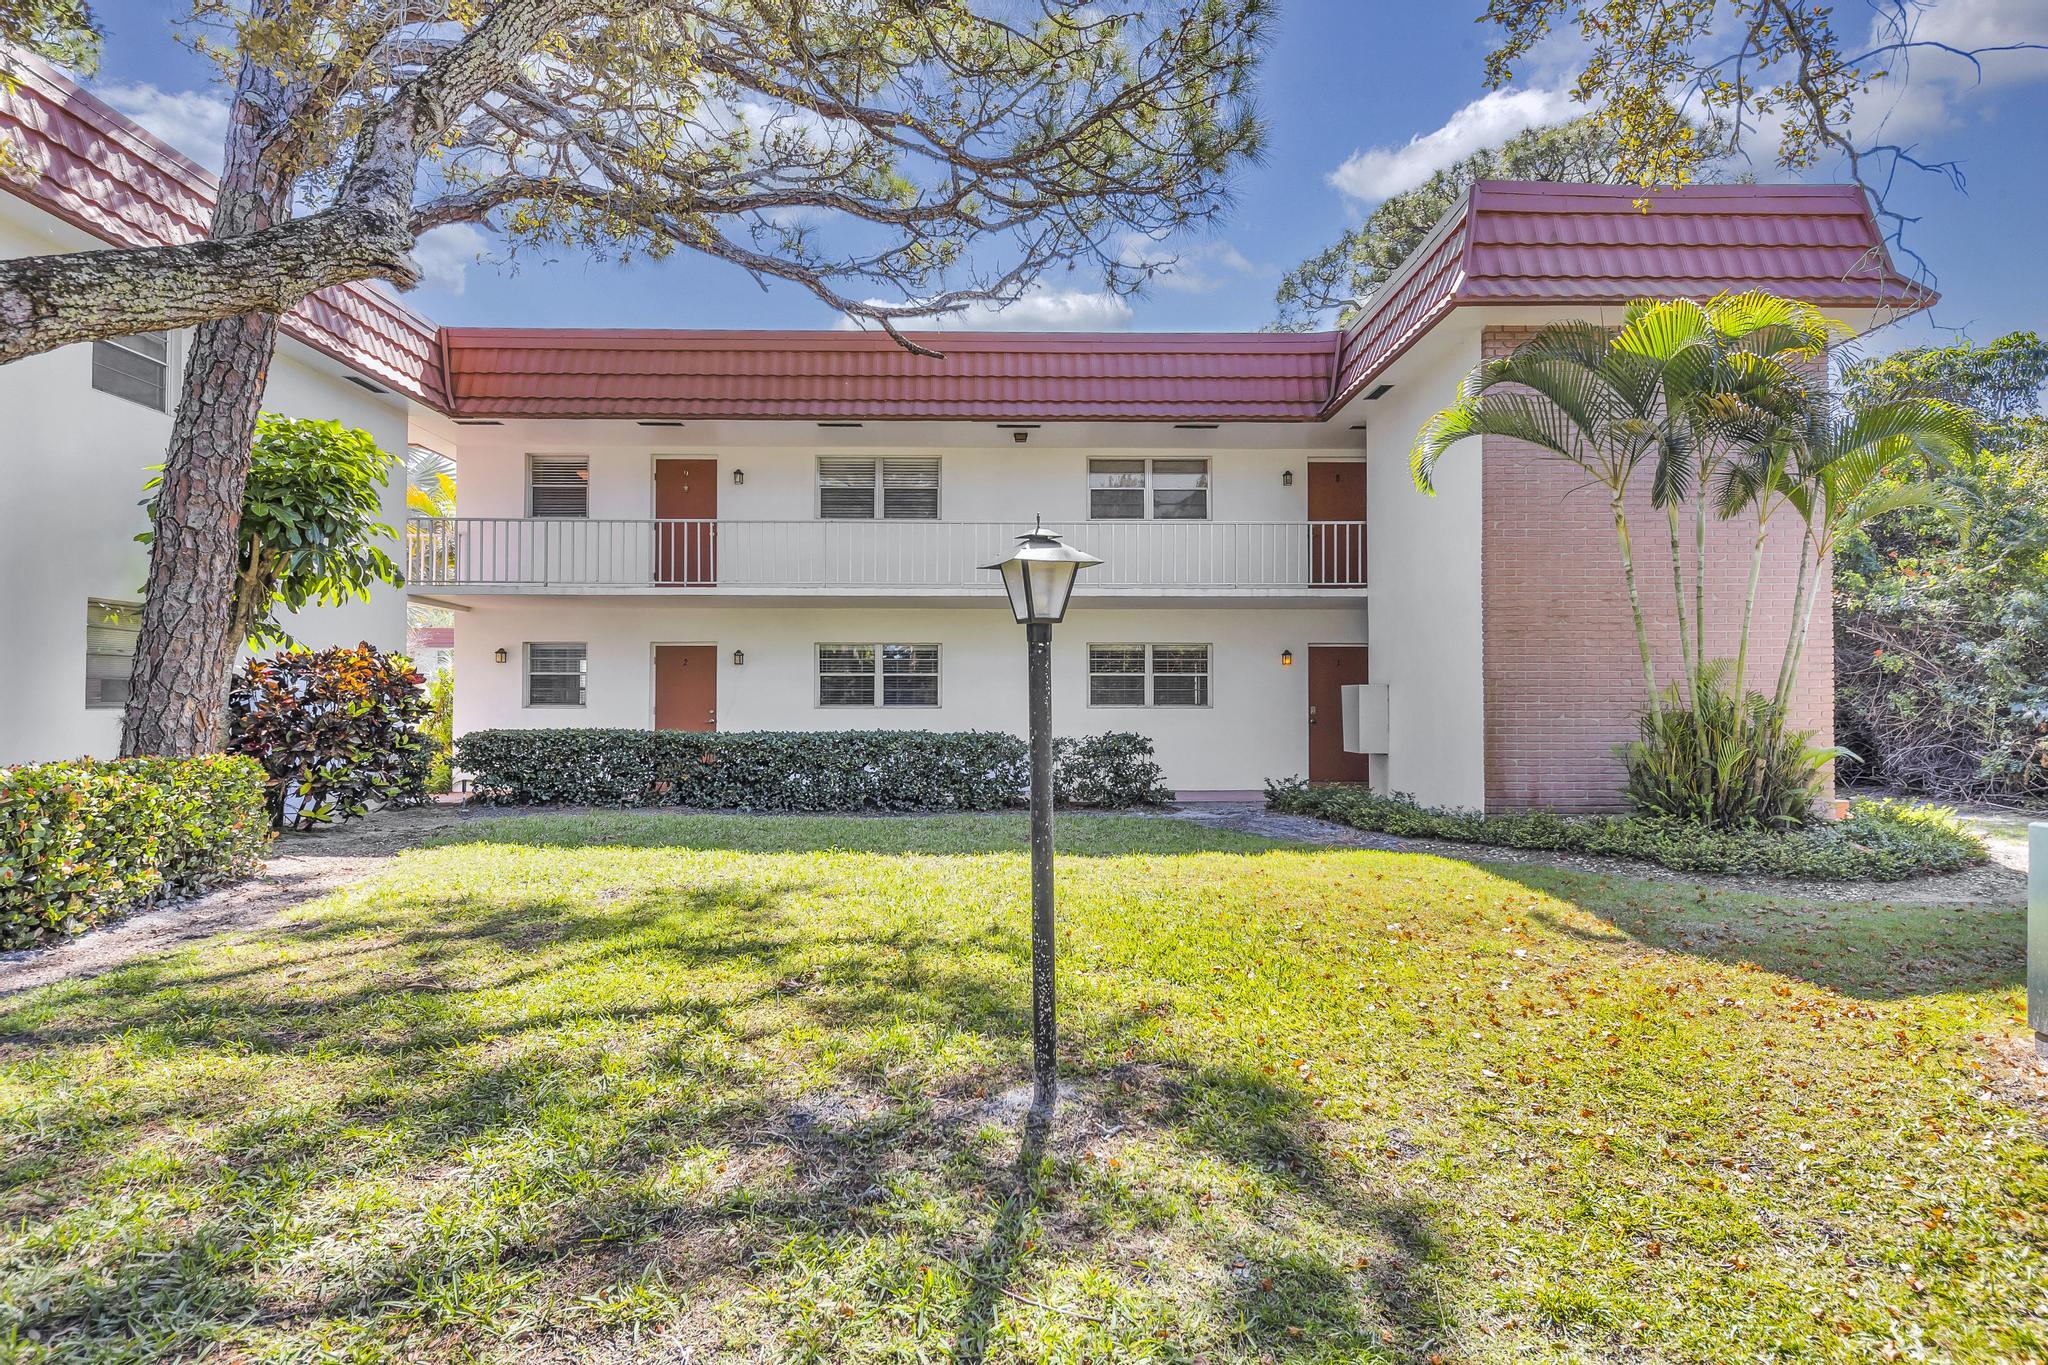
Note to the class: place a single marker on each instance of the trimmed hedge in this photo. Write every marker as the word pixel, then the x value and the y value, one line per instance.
pixel 838 771
pixel 1880 841
pixel 84 839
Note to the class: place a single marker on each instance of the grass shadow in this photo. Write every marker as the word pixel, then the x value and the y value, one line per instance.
pixel 1869 951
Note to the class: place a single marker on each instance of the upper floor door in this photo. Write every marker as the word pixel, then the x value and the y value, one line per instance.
pixel 686 516
pixel 1336 514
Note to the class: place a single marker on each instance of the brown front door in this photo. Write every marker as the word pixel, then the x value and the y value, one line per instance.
pixel 1332 668
pixel 685 530
pixel 1336 515
pixel 686 687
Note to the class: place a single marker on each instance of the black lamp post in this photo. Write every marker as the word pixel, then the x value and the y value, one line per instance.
pixel 1040 579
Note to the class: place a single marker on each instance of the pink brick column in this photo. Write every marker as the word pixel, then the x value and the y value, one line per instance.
pixel 1563 683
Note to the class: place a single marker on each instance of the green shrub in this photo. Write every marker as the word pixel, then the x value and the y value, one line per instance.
pixel 335 729
pixel 438 730
pixel 1880 841
pixel 822 771
pixel 83 839
pixel 1723 763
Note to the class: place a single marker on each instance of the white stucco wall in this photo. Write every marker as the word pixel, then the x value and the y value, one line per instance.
pixel 985 476
pixel 1422 561
pixel 72 465
pixel 1254 728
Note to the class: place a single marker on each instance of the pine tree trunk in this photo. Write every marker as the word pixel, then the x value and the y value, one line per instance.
pixel 185 653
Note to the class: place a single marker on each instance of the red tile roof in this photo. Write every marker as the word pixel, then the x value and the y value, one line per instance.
pixel 1000 376
pixel 429 637
pixel 1511 243
pixel 101 172
pixel 1505 243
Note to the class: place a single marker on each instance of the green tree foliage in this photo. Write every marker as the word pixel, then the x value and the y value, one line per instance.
pixel 1336 281
pixel 1941 618
pixel 311 517
pixel 1755 65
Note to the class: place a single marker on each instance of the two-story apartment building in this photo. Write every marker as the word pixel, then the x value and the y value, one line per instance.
pixel 81 427
pixel 782 530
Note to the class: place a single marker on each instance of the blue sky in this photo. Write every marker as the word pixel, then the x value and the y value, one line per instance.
pixel 1361 97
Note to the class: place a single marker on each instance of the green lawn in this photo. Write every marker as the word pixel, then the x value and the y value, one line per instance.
pixel 720 1089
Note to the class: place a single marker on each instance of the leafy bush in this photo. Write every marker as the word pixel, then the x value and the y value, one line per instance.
pixel 438 730
pixel 1941 614
pixel 1880 841
pixel 335 729
pixel 767 770
pixel 80 840
pixel 1111 772
pixel 1723 763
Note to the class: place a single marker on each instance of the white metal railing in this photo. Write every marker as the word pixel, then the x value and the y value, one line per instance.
pixel 830 555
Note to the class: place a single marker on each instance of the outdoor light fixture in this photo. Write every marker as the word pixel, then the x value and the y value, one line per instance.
pixel 1020 437
pixel 739 657
pixel 501 655
pixel 1287 658
pixel 1039 578
pixel 1287 478
pixel 739 476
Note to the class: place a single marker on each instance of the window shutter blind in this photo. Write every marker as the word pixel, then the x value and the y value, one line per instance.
pixel 846 488
pixel 910 489
pixel 1180 675
pixel 559 485
pixel 555 674
pixel 134 367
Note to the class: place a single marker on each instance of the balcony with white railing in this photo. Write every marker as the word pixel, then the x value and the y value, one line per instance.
pixel 871 558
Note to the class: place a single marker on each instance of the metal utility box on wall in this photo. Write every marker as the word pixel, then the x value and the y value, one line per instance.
pixel 1365 718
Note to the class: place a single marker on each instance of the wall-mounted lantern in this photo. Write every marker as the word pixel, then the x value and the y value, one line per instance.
pixel 739 476
pixel 1287 658
pixel 739 658
pixel 501 655
pixel 1287 478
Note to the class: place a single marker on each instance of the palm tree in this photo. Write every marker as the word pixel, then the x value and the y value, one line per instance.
pixel 1570 392
pixel 1731 366
pixel 1835 472
pixel 429 482
pixel 1677 384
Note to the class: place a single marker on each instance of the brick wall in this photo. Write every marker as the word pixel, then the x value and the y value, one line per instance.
pixel 1563 681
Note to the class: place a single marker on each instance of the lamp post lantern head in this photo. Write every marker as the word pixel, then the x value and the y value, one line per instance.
pixel 1040 576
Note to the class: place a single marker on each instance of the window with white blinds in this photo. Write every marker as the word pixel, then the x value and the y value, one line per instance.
pixel 861 490
pixel 137 368
pixel 556 674
pixel 1132 490
pixel 878 675
pixel 111 629
pixel 558 485
pixel 1148 675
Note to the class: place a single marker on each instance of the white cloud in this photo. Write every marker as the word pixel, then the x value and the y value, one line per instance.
pixel 445 254
pixel 1042 309
pixel 1929 87
pixel 193 121
pixel 1187 267
pixel 1491 119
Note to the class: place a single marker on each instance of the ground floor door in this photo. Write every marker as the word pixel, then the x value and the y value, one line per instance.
pixel 686 525
pixel 1332 668
pixel 686 687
